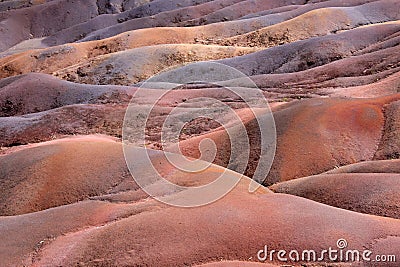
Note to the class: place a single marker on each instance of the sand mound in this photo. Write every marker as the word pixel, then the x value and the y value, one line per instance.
pixel 335 47
pixel 105 115
pixel 136 65
pixel 233 27
pixel 370 193
pixel 204 34
pixel 26 234
pixel 49 18
pixel 36 92
pixel 387 86
pixel 59 122
pixel 43 20
pixel 218 233
pixel 109 233
pixel 379 166
pixel 310 53
pixel 281 59
pixel 154 14
pixel 76 65
pixel 317 135
pixel 330 70
pixel 60 172
pixel 334 78
pixel 319 22
pixel 238 10
pixel 164 19
pixel 313 136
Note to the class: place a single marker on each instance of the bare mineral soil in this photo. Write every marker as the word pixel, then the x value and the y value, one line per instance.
pixel 69 70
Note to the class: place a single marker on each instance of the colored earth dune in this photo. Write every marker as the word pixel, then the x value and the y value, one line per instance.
pixel 328 69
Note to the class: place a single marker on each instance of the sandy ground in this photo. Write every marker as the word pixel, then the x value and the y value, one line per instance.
pixel 70 69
